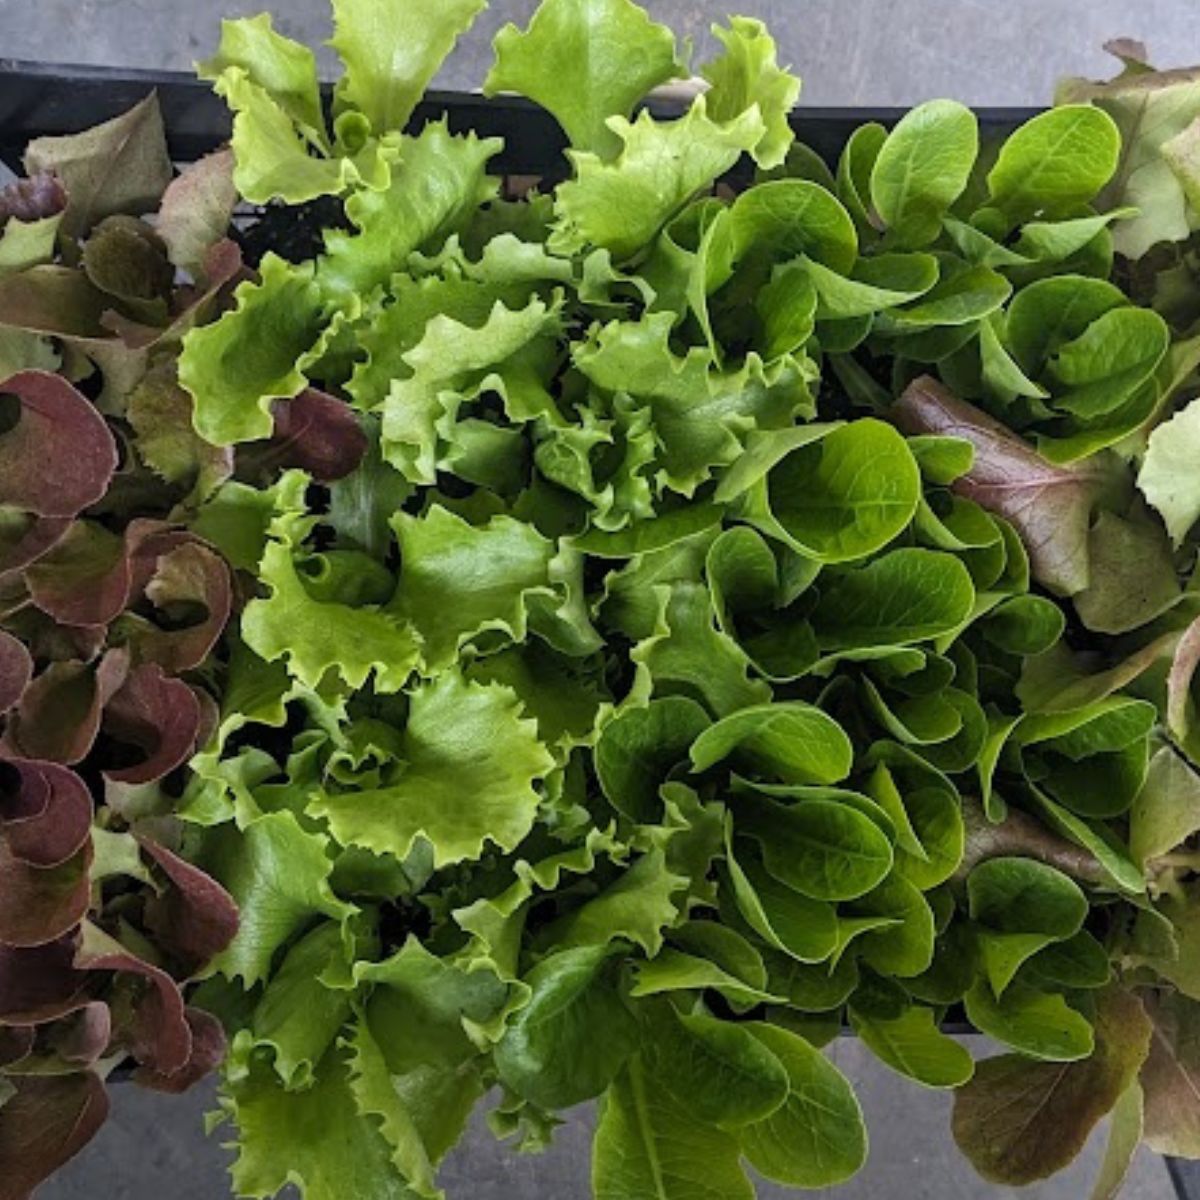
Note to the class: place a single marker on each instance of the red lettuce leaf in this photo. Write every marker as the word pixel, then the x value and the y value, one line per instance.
pixel 317 433
pixel 85 1035
pixel 16 669
pixel 156 714
pixel 45 1124
pixel 39 983
pixel 59 714
pixel 60 456
pixel 41 195
pixel 176 571
pixel 1050 506
pixel 45 812
pixel 16 1043
pixel 24 539
pixel 84 579
pixel 207 1053
pixel 39 905
pixel 195 918
pixel 154 1028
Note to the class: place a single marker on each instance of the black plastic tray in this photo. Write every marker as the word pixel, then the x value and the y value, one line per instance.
pixel 38 99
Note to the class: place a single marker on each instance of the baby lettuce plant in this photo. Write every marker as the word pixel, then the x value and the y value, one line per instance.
pixel 675 616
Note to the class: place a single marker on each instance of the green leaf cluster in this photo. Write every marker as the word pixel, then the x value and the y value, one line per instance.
pixel 751 615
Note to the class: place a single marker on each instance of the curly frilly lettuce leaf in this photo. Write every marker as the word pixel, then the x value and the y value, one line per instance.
pixel 316 635
pixel 620 205
pixel 469 765
pixel 621 52
pixel 391 50
pixel 253 354
pixel 287 1137
pixel 460 581
pixel 452 361
pixel 279 872
pixel 437 183
pixel 747 74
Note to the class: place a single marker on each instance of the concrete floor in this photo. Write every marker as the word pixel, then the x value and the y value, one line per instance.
pixel 850 52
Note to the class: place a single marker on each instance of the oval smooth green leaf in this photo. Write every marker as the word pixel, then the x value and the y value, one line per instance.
pixel 722 1072
pixel 922 169
pixel 847 495
pixel 913 1046
pixel 572 1038
pixel 905 596
pixel 1040 1024
pixel 1054 162
pixel 639 747
pixel 822 848
pixel 791 741
pixel 789 217
pixel 816 1138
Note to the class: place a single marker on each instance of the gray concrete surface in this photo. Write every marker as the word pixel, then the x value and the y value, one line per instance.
pixel 850 52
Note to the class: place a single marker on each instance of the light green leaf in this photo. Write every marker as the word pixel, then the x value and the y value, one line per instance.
pixel 284 69
pixel 922 168
pixel 719 1069
pixel 822 848
pixel 638 749
pixel 877 283
pixel 585 62
pixel 298 1015
pixel 673 971
pixel 905 596
pixel 836 497
pixel 803 928
pixel 316 636
pixel 914 1046
pixel 469 765
pixel 1166 812
pixel 1022 906
pixel 780 220
pixel 451 359
pixel 637 908
pixel 688 654
pixel 391 50
pixel 904 946
pixel 789 741
pixel 316 1139
pixel 1168 478
pixel 1038 1024
pixel 963 295
pixel 621 205
pixel 748 74
pixel 437 185
pixel 458 581
pixel 254 354
pixel 1055 162
pixel 279 876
